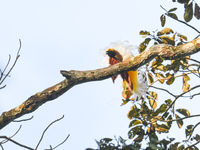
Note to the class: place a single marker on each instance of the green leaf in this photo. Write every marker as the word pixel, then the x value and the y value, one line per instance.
pixel 170 80
pixel 150 78
pixel 160 77
pixel 189 130
pixel 162 108
pixel 135 131
pixel 167 40
pixel 134 123
pixel 197 11
pixel 197 137
pixel 144 45
pixel 174 146
pixel 162 128
pixel 147 40
pixel 183 1
pixel 173 15
pixel 179 121
pixel 139 138
pixel 168 102
pixel 165 31
pixel 153 94
pixel 173 9
pixel 161 67
pixel 144 32
pixel 188 14
pixel 134 112
pixel 182 37
pixel 181 147
pixel 162 20
pixel 186 86
pixel 153 138
pixel 153 104
pixel 107 140
pixel 153 146
pixel 125 101
pixel 184 112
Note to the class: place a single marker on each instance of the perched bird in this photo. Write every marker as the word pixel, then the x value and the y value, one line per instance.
pixel 134 82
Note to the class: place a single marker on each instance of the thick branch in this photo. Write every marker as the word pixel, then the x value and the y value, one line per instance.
pixel 78 77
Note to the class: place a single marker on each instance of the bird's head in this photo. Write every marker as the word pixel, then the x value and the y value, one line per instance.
pixel 111 52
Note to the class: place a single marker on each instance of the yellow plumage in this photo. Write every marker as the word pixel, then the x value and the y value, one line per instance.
pixel 134 80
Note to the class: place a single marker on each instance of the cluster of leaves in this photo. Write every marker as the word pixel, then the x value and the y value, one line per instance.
pixel 116 144
pixel 148 120
pixel 191 9
pixel 165 36
pixel 164 71
pixel 151 116
pixel 154 115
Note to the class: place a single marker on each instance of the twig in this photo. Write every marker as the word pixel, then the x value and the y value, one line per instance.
pixel 193 130
pixel 17 57
pixel 187 117
pixel 46 130
pixel 3 87
pixel 1 147
pixel 4 141
pixel 163 90
pixel 194 60
pixel 2 72
pixel 178 96
pixel 194 95
pixel 192 145
pixel 166 78
pixel 62 142
pixel 17 143
pixel 23 119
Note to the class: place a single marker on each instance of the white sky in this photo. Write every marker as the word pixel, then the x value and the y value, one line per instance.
pixel 64 34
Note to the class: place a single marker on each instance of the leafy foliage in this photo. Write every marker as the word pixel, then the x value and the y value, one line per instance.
pixel 153 115
pixel 191 8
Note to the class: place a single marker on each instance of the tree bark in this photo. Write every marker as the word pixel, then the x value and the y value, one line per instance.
pixel 77 77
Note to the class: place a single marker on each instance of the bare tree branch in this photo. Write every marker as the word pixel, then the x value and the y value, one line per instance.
pixel 4 141
pixel 2 87
pixel 187 148
pixel 15 142
pixel 77 77
pixel 1 147
pixel 27 119
pixel 2 72
pixel 187 117
pixel 46 130
pixel 16 59
pixel 59 143
pixel 162 90
pixel 178 96
pixel 195 60
pixel 193 131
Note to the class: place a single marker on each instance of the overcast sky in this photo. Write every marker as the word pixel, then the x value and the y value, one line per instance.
pixel 63 35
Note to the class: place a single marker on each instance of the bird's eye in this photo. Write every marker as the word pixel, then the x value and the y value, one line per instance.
pixel 111 53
